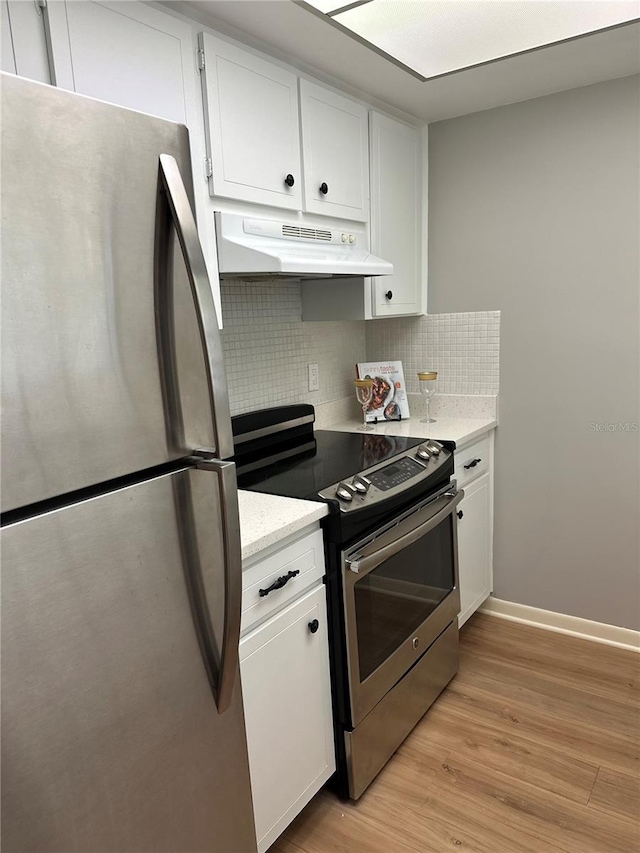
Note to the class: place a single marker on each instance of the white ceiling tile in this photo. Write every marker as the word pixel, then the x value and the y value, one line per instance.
pixel 435 37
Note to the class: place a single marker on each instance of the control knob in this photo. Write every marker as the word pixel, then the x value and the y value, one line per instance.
pixel 345 492
pixel 423 452
pixel 360 484
pixel 435 447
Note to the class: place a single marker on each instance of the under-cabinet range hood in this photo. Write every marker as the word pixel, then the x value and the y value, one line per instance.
pixel 249 246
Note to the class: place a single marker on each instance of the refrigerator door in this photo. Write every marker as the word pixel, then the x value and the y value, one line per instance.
pixel 116 633
pixel 111 357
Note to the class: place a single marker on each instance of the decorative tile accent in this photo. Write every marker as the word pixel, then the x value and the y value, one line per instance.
pixel 267 347
pixel 463 348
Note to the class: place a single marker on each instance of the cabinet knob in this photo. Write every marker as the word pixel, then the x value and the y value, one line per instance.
pixel 289 180
pixel 389 295
pixel 460 513
pixel 324 189
pixel 314 625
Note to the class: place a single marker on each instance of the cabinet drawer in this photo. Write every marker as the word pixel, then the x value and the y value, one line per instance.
pixel 304 556
pixel 472 461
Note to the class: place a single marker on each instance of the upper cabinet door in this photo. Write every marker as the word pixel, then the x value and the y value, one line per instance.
pixel 252 126
pixel 24 46
pixel 396 233
pixel 129 55
pixel 335 153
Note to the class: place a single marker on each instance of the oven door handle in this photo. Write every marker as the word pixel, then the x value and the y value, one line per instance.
pixel 362 565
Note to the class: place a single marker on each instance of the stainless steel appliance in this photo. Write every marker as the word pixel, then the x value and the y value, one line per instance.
pixel 392 570
pixel 122 718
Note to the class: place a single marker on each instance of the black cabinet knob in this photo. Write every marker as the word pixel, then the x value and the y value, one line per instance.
pixel 460 513
pixel 324 189
pixel 389 295
pixel 314 625
pixel 289 180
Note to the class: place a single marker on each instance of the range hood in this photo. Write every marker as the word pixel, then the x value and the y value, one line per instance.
pixel 248 246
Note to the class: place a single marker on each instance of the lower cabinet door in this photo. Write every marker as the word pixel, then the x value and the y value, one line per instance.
pixel 284 666
pixel 474 547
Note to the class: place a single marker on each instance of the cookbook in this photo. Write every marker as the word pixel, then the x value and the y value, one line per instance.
pixel 389 400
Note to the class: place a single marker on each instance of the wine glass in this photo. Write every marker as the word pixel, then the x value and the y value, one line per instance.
pixel 427 379
pixel 364 393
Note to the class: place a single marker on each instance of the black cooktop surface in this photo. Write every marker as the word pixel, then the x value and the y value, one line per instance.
pixel 333 456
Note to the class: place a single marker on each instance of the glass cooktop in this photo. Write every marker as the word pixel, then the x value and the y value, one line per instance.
pixel 327 459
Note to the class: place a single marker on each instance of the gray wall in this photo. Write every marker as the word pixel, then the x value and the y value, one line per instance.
pixel 533 210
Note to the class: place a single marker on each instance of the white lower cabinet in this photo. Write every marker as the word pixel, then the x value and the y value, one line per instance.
pixel 284 665
pixel 474 546
pixel 474 474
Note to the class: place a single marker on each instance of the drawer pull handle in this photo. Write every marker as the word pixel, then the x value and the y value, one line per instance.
pixel 314 625
pixel 472 464
pixel 460 513
pixel 278 584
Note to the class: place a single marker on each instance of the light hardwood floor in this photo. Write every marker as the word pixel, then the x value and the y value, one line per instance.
pixel 533 747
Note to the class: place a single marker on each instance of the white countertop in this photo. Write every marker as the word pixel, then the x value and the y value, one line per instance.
pixel 266 519
pixel 460 430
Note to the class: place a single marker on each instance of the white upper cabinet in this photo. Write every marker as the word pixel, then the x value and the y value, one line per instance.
pixel 130 55
pixel 396 230
pixel 7 56
pixel 252 126
pixel 24 47
pixel 335 154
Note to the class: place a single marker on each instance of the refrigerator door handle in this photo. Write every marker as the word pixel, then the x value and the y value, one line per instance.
pixel 185 225
pixel 229 649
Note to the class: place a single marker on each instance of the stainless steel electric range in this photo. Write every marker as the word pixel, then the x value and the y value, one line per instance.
pixel 392 569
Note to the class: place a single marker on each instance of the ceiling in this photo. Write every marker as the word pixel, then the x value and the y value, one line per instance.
pixel 308 39
pixel 435 37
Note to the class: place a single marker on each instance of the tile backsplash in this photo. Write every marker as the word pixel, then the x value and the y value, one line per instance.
pixel 463 348
pixel 267 348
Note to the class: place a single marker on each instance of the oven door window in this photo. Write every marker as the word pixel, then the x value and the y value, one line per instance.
pixel 395 598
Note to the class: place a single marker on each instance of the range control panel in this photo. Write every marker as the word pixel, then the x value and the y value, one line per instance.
pixel 395 474
pixel 389 478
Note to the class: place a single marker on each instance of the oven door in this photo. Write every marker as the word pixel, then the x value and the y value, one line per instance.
pixel 400 591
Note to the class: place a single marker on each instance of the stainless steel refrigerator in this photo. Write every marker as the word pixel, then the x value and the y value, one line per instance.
pixel 122 718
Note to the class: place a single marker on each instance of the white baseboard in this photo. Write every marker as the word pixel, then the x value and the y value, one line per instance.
pixel 599 632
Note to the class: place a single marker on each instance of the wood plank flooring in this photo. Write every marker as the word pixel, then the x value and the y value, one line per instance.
pixel 533 748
